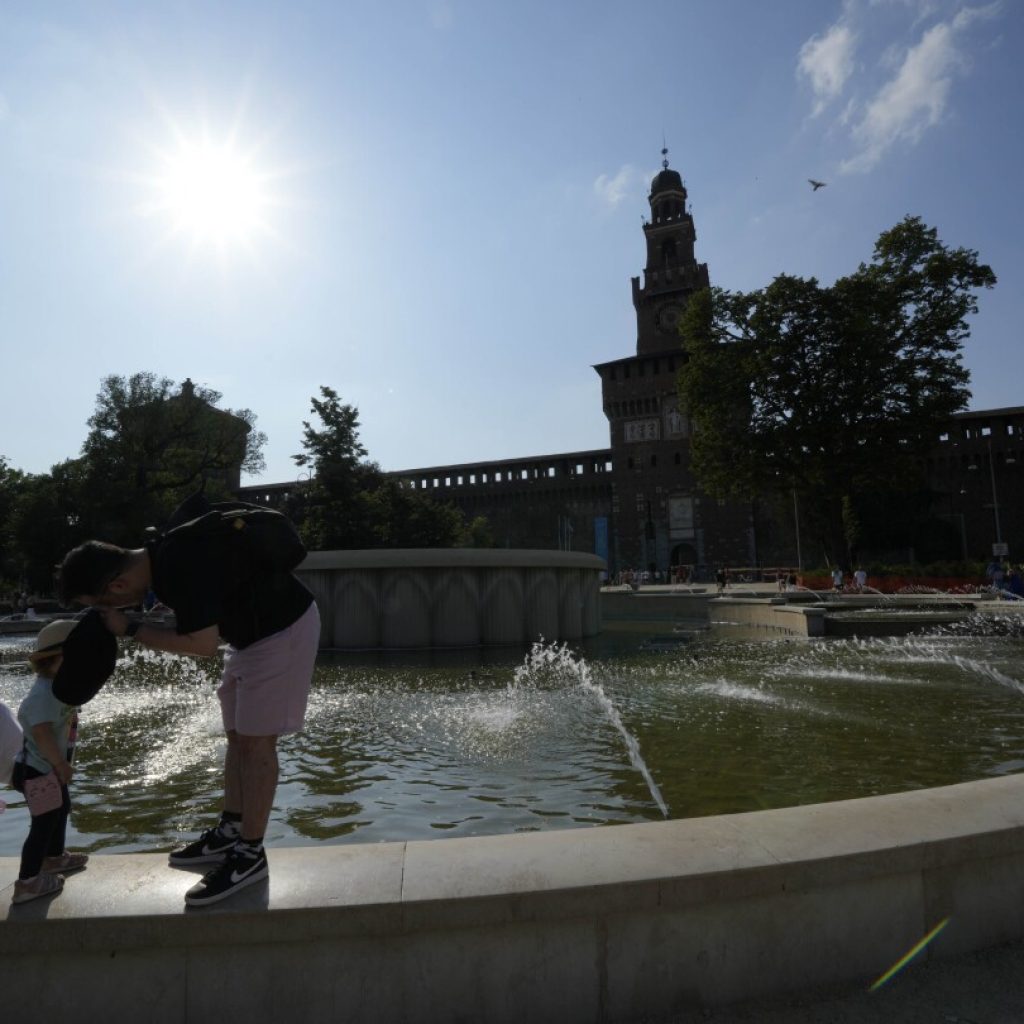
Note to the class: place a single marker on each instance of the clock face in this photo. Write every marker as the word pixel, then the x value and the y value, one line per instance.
pixel 667 319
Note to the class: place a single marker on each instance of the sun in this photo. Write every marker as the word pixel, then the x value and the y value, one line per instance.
pixel 212 193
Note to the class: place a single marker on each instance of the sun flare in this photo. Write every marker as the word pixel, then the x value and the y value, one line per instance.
pixel 213 194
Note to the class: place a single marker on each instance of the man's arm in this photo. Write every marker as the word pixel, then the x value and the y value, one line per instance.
pixel 203 642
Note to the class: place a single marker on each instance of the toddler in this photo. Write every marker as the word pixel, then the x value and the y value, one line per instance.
pixel 42 772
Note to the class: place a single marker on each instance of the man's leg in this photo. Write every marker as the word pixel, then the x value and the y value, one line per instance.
pixel 257 782
pixel 215 843
pixel 250 776
pixel 232 775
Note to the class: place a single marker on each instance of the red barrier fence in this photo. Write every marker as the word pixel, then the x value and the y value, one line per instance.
pixel 897 584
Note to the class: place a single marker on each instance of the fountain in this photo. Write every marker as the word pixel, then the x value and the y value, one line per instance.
pixel 655 917
pixel 452 597
pixel 483 742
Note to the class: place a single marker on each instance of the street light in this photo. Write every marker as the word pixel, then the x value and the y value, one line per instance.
pixel 796 524
pixel 995 497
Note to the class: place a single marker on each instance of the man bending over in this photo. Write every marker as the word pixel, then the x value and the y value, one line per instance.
pixel 272 626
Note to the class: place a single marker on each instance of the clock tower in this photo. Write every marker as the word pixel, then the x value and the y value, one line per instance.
pixel 659 518
pixel 672 274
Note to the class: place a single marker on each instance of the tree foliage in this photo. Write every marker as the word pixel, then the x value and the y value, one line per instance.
pixel 349 502
pixel 151 443
pixel 12 483
pixel 831 392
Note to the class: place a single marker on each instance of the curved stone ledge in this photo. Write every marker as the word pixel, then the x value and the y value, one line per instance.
pixel 452 597
pixel 604 924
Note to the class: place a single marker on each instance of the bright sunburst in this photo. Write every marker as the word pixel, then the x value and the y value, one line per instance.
pixel 213 193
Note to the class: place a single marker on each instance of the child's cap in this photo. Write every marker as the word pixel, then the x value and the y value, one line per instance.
pixel 50 639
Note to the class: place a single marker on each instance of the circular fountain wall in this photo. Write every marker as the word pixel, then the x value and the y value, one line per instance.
pixel 452 597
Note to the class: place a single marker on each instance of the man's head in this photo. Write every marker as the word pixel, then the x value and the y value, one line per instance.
pixel 100 575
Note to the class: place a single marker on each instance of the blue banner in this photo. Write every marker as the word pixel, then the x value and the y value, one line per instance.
pixel 601 537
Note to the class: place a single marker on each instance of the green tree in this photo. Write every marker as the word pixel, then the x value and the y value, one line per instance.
pixel 349 502
pixel 49 519
pixel 329 508
pixel 12 482
pixel 151 443
pixel 831 392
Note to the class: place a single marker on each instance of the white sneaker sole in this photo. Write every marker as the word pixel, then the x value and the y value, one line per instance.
pixel 200 900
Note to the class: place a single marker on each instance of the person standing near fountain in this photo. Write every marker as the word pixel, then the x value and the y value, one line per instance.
pixel 218 589
pixel 43 770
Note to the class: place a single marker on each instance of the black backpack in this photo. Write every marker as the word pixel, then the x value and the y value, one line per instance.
pixel 261 539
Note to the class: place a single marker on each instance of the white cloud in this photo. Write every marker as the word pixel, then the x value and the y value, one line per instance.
pixel 965 17
pixel 827 61
pixel 611 191
pixel 917 96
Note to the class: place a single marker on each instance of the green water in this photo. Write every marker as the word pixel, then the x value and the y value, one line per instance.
pixel 424 747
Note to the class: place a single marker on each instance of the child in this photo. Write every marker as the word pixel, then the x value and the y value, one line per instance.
pixel 42 772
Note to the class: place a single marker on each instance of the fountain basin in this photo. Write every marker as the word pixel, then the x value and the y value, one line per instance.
pixel 609 924
pixel 452 597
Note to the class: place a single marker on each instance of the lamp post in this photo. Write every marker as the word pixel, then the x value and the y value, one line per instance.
pixel 796 525
pixel 649 545
pixel 995 495
pixel 995 500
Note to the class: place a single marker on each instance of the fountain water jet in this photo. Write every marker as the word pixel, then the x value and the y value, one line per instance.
pixel 543 657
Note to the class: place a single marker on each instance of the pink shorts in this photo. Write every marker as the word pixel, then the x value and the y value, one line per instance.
pixel 265 687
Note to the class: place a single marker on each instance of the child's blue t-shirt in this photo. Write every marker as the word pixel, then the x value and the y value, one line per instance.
pixel 40 706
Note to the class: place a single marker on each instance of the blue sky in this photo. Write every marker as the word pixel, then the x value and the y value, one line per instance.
pixel 435 207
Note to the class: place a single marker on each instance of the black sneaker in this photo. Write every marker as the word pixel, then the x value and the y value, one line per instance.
pixel 238 870
pixel 212 847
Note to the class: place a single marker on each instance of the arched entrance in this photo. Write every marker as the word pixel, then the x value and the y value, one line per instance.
pixel 683 561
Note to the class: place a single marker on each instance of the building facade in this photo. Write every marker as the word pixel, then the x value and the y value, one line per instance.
pixel 637 504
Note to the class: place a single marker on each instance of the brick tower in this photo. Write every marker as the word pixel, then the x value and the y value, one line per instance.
pixel 658 519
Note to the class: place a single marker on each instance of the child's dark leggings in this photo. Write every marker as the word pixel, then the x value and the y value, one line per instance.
pixel 47 831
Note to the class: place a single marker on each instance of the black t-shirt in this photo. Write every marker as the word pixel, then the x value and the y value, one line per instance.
pixel 200 580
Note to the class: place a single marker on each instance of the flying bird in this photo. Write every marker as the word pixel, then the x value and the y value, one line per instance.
pixel 815 185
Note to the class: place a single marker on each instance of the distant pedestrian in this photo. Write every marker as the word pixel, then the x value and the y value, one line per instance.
pixel 996 573
pixel 837 579
pixel 1015 583
pixel 860 579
